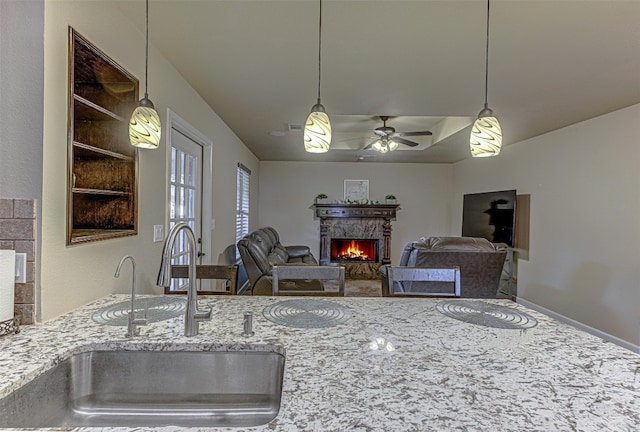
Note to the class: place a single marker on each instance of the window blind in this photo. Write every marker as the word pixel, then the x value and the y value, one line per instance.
pixel 242 202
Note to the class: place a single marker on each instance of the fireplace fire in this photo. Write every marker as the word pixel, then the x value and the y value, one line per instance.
pixel 354 250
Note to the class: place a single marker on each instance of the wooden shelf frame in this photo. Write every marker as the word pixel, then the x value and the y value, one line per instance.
pixel 102 191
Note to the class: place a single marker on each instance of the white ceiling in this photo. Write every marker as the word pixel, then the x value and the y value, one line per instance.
pixel 551 63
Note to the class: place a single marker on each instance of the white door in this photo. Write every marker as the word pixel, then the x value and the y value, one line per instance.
pixel 185 197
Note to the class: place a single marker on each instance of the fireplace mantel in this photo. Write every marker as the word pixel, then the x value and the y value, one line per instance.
pixel 385 211
pixel 356 221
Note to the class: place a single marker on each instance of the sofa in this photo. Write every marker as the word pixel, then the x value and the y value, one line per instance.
pixel 480 262
pixel 261 249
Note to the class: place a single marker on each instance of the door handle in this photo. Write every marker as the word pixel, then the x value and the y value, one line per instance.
pixel 200 254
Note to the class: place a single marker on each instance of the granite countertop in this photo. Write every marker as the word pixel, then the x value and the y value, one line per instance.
pixel 395 365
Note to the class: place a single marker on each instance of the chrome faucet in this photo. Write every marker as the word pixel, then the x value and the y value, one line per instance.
pixel 132 329
pixel 192 315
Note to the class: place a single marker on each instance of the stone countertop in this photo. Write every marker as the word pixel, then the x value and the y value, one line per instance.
pixel 442 374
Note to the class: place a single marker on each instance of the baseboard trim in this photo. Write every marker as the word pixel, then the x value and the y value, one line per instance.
pixel 581 326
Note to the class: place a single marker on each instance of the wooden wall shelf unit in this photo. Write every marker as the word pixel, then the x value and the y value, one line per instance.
pixel 102 180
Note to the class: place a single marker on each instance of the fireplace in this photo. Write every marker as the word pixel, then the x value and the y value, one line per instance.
pixel 354 250
pixel 368 226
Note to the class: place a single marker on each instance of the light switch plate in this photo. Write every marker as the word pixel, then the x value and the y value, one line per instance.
pixel 21 268
pixel 158 233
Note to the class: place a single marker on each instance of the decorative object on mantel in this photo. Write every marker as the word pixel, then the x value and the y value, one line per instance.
pixel 317 130
pixel 486 134
pixel 144 126
pixel 356 190
pixel 8 324
pixel 358 202
pixel 322 199
pixel 390 199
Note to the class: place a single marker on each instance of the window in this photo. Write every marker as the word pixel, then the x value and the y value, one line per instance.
pixel 184 189
pixel 242 203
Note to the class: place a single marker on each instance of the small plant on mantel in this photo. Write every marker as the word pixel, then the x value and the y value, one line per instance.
pixel 390 199
pixel 322 199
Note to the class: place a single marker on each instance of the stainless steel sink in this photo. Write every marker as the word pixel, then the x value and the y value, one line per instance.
pixel 151 388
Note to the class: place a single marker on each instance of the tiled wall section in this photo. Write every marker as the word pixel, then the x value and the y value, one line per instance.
pixel 18 232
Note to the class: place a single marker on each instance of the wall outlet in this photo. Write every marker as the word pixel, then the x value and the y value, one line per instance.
pixel 158 233
pixel 21 268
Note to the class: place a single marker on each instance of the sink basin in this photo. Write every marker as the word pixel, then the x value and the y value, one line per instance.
pixel 151 388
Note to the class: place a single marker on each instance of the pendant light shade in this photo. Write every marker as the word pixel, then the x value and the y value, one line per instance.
pixel 144 125
pixel 486 134
pixel 317 129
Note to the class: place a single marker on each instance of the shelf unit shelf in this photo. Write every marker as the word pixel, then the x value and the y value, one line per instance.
pixel 102 165
pixel 87 150
pixel 100 192
pixel 87 110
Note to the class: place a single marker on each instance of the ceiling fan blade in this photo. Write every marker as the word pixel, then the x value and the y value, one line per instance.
pixel 380 133
pixel 415 133
pixel 368 146
pixel 405 141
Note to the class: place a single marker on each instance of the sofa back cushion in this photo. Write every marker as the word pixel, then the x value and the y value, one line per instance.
pixel 460 244
pixel 480 262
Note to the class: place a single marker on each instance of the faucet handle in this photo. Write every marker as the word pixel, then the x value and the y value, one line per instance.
pixel 134 322
pixel 247 324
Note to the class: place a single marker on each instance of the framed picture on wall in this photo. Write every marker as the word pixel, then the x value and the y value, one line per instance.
pixel 356 190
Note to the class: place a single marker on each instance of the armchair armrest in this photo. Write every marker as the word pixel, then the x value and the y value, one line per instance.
pixel 298 251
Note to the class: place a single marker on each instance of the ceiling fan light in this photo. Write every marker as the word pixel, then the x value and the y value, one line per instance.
pixel 144 126
pixel 393 145
pixel 486 137
pixel 317 131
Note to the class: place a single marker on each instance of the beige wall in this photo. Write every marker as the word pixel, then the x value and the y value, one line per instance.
pixel 73 276
pixel 287 191
pixel 584 234
pixel 21 87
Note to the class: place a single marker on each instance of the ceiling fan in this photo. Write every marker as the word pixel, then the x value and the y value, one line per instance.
pixel 388 139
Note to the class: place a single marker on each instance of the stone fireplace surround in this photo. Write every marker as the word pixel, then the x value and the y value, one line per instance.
pixel 356 221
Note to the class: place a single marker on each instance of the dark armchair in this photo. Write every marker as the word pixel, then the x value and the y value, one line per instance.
pixel 479 260
pixel 261 249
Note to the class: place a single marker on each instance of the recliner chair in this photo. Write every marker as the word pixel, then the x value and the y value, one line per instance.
pixel 479 260
pixel 261 249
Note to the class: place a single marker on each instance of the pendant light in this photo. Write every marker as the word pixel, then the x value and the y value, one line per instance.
pixel 486 134
pixel 317 129
pixel 144 126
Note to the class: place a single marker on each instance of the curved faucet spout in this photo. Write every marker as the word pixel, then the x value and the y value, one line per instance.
pixel 132 329
pixel 192 315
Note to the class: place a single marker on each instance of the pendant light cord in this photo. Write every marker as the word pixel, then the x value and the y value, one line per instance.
pixel 319 49
pixel 486 65
pixel 146 56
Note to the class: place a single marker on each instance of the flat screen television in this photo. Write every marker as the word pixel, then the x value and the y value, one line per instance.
pixel 490 215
